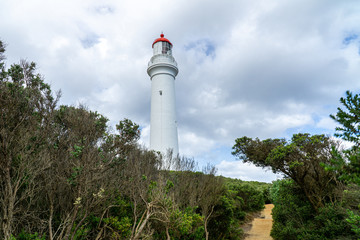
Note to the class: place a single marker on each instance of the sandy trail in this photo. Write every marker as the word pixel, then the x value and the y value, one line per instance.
pixel 261 226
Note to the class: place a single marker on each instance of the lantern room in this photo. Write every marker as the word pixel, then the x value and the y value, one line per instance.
pixel 162 46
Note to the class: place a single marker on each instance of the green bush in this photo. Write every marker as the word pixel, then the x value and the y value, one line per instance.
pixel 239 199
pixel 294 217
pixel 29 236
pixel 220 224
pixel 186 224
pixel 249 194
pixel 291 209
pixel 354 221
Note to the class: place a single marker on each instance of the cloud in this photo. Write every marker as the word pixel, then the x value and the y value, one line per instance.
pixel 326 123
pixel 246 171
pixel 104 9
pixel 195 144
pixel 258 69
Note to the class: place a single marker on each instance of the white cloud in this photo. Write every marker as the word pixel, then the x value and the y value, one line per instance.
pixel 255 68
pixel 327 123
pixel 195 145
pixel 246 171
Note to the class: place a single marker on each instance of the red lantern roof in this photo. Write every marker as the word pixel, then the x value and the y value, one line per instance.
pixel 161 39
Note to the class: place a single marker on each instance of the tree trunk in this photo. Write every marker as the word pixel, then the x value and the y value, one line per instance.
pixel 8 207
pixel 63 227
pixel 50 220
pixel 314 200
pixel 206 222
pixel 135 220
pixel 206 231
pixel 71 224
pixel 143 223
pixel 99 234
pixel 78 226
pixel 167 233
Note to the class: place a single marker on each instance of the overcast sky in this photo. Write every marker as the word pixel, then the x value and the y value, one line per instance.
pixel 257 68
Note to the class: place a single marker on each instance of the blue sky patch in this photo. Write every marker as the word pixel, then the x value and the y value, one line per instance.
pixel 90 40
pixel 350 38
pixel 202 45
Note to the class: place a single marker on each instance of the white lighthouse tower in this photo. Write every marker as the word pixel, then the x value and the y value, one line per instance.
pixel 162 70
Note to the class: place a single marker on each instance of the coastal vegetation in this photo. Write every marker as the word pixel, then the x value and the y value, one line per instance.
pixel 64 174
pixel 319 198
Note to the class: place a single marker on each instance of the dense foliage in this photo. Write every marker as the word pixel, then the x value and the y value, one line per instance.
pixel 295 218
pixel 300 159
pixel 320 195
pixel 65 175
pixel 238 200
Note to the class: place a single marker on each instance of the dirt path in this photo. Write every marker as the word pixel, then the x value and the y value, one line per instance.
pixel 261 226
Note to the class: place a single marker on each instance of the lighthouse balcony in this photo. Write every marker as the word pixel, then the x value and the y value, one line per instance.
pixel 162 58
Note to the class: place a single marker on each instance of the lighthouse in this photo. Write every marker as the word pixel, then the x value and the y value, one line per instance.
pixel 162 69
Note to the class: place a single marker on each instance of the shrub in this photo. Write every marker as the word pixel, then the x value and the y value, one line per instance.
pixel 295 218
pixel 29 236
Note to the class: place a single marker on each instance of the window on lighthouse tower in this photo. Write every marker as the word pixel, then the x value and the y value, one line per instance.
pixel 166 48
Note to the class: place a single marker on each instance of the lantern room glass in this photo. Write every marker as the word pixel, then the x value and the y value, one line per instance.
pixel 166 48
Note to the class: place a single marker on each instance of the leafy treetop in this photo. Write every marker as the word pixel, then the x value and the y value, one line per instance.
pixel 349 118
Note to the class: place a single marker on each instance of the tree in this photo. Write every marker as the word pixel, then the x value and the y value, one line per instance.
pixel 210 189
pixel 26 110
pixel 349 118
pixel 140 174
pixel 300 159
pixel 75 183
pixel 347 163
pixel 88 170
